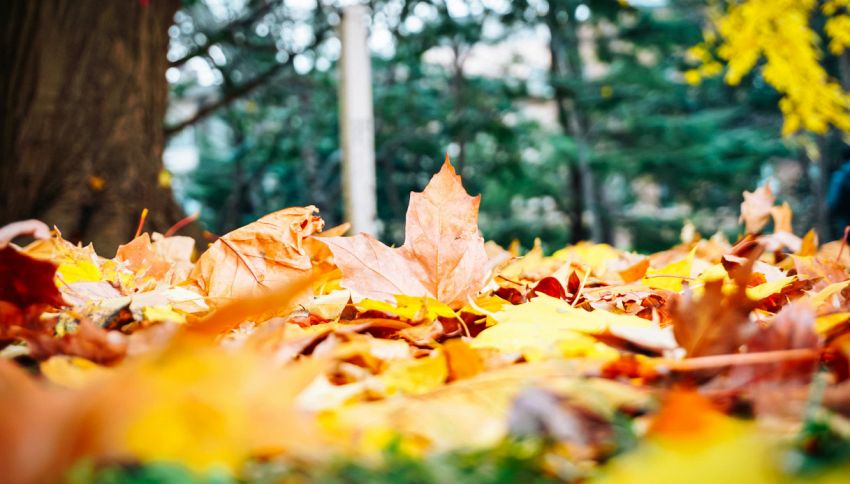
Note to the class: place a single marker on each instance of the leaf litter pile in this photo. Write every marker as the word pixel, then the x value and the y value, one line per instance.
pixel 286 352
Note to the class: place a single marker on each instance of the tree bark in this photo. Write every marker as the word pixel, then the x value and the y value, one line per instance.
pixel 83 99
pixel 565 62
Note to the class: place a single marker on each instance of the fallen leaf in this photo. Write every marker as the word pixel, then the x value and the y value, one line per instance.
pixel 463 361
pixel 26 281
pixel 636 271
pixel 782 216
pixel 756 208
pixel 417 376
pixel 546 327
pixel 672 276
pixel 443 255
pixel 713 324
pixel 259 256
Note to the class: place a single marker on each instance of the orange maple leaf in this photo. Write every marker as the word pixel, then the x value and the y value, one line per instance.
pixel 442 257
pixel 756 208
pixel 259 256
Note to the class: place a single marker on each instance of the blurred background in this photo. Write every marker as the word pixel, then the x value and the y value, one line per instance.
pixel 597 120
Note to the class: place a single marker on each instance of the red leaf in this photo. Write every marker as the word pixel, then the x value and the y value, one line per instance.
pixel 549 286
pixel 25 281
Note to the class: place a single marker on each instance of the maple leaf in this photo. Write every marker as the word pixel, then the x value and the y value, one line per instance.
pixel 714 324
pixel 442 257
pixel 258 256
pixel 756 208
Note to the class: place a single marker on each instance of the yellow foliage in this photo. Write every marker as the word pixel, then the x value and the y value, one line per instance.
pixel 71 371
pixel 547 327
pixel 678 272
pixel 780 33
pixel 410 308
pixel 207 408
pixel 163 313
pixel 416 376
pixel 824 324
pixel 594 256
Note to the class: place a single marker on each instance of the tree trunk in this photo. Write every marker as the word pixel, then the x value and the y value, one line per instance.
pixel 565 62
pixel 84 96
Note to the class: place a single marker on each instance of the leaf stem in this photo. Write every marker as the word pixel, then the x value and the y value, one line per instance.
pixel 717 361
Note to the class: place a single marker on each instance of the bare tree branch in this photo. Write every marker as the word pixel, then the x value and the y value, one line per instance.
pixel 227 32
pixel 245 88
pixel 204 111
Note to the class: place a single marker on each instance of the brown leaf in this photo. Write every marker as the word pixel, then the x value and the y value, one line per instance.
pixel 756 208
pixel 443 255
pixel 258 256
pixel 793 328
pixel 87 341
pixel 714 324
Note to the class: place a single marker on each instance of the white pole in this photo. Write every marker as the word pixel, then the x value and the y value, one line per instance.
pixel 357 123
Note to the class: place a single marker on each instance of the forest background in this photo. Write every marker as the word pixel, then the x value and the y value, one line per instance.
pixel 594 120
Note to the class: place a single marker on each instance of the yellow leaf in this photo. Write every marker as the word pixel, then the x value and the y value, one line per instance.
pixel 485 305
pixel 207 408
pixel 463 361
pixel 79 271
pixel 525 266
pixel 824 324
pixel 416 376
pixel 826 294
pixel 705 446
pixel 71 371
pixel 545 323
pixel 809 245
pixel 163 313
pixel 76 264
pixel 594 256
pixel 766 289
pixel 535 340
pixel 713 273
pixel 410 308
pixel 678 271
pixel 548 327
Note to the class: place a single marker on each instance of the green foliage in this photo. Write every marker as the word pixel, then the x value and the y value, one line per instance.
pixel 508 462
pixel 86 472
pixel 699 147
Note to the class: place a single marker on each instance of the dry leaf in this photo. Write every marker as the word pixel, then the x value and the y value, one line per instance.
pixel 259 256
pixel 756 208
pixel 443 255
pixel 25 281
pixel 713 324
